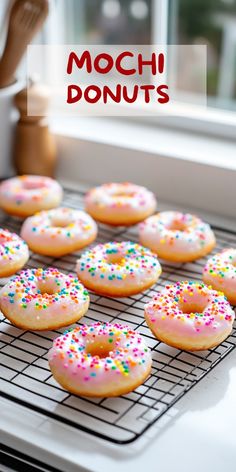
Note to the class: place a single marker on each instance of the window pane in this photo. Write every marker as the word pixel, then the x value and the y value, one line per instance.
pixel 109 21
pixel 211 22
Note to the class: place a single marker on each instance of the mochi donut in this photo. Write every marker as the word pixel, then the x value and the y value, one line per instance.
pixel 177 237
pixel 100 360
pixel 25 195
pixel 58 232
pixel 43 299
pixel 120 203
pixel 220 272
pixel 13 253
pixel 118 269
pixel 190 316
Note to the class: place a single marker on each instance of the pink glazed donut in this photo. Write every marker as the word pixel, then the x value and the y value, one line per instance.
pixel 177 237
pixel 13 253
pixel 118 269
pixel 220 272
pixel 190 315
pixel 100 360
pixel 25 195
pixel 120 203
pixel 42 299
pixel 58 232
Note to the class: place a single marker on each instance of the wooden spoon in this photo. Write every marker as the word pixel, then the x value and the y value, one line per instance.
pixel 26 18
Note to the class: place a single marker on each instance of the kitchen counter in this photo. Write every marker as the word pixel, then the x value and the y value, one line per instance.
pixel 197 434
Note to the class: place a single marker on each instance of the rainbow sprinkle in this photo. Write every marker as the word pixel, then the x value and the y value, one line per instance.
pixel 117 261
pixel 12 247
pixel 122 348
pixel 190 302
pixel 222 265
pixel 43 288
pixel 123 195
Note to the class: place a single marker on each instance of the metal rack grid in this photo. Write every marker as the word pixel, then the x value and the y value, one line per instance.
pixel 26 378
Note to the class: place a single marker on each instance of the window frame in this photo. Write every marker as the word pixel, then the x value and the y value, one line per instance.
pixel 207 121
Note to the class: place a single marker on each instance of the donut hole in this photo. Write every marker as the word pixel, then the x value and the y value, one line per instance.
pixel 123 194
pixel 100 350
pixel 177 226
pixel 193 307
pixel 115 258
pixel 32 185
pixel 47 287
pixel 60 223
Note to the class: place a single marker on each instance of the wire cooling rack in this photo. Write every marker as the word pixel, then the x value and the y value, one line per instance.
pixel 26 378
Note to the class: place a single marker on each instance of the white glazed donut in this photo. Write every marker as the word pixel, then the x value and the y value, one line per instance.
pixel 220 272
pixel 177 237
pixel 25 195
pixel 13 253
pixel 100 360
pixel 42 299
pixel 118 269
pixel 190 315
pixel 58 232
pixel 120 203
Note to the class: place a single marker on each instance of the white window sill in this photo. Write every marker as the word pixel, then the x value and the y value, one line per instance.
pixel 185 168
pixel 213 151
